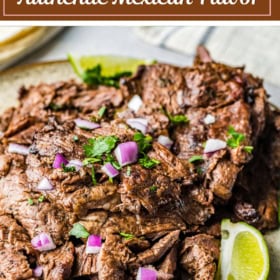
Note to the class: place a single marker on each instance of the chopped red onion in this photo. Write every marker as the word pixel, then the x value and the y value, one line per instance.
pixel 43 242
pixel 94 243
pixel 59 160
pixel 86 124
pixel 135 103
pixel 75 163
pixel 139 124
pixel 38 271
pixel 110 170
pixel 213 145
pixel 45 185
pixel 165 141
pixel 126 153
pixel 209 119
pixel 145 273
pixel 18 149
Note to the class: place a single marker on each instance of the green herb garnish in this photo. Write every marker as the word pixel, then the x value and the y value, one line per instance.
pixel 236 139
pixel 93 177
pixel 126 236
pixel 75 138
pixel 30 201
pixel 148 162
pixel 88 161
pixel 96 147
pixel 111 159
pixel 144 142
pixel 79 231
pixel 178 119
pixel 41 199
pixel 55 107
pixel 153 188
pixel 102 111
pixel 196 158
pixel 128 171
pixel 248 149
pixel 68 168
pixel 94 76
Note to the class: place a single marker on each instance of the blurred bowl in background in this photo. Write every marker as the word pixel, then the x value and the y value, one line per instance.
pixel 17 42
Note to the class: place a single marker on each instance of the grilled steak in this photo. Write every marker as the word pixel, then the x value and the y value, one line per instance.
pixel 160 211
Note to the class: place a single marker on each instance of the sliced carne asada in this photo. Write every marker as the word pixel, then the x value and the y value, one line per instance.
pixel 205 147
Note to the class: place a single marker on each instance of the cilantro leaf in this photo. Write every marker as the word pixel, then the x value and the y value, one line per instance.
pixel 178 119
pixel 248 149
pixel 94 76
pixel 96 147
pixel 68 168
pixel 41 199
pixel 93 177
pixel 126 236
pixel 195 158
pixel 144 142
pixel 79 231
pixel 88 161
pixel 111 159
pixel 75 138
pixel 128 171
pixel 102 111
pixel 147 162
pixel 55 107
pixel 153 188
pixel 235 138
pixel 30 201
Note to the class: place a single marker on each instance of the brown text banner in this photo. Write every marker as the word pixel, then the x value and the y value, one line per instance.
pixel 140 9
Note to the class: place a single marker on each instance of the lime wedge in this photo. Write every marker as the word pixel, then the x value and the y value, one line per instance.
pixel 110 64
pixel 244 254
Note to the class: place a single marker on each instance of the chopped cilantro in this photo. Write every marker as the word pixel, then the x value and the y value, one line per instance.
pixel 153 188
pixel 96 147
pixel 111 159
pixel 75 138
pixel 91 160
pixel 30 201
pixel 144 142
pixel 68 168
pixel 79 231
pixel 236 139
pixel 55 107
pixel 248 149
pixel 94 76
pixel 196 158
pixel 128 171
pixel 199 170
pixel 102 111
pixel 126 236
pixel 93 177
pixel 41 199
pixel 178 119
pixel 148 162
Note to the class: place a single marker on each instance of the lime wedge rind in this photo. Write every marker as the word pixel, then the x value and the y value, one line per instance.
pixel 230 231
pixel 111 64
pixel 75 63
